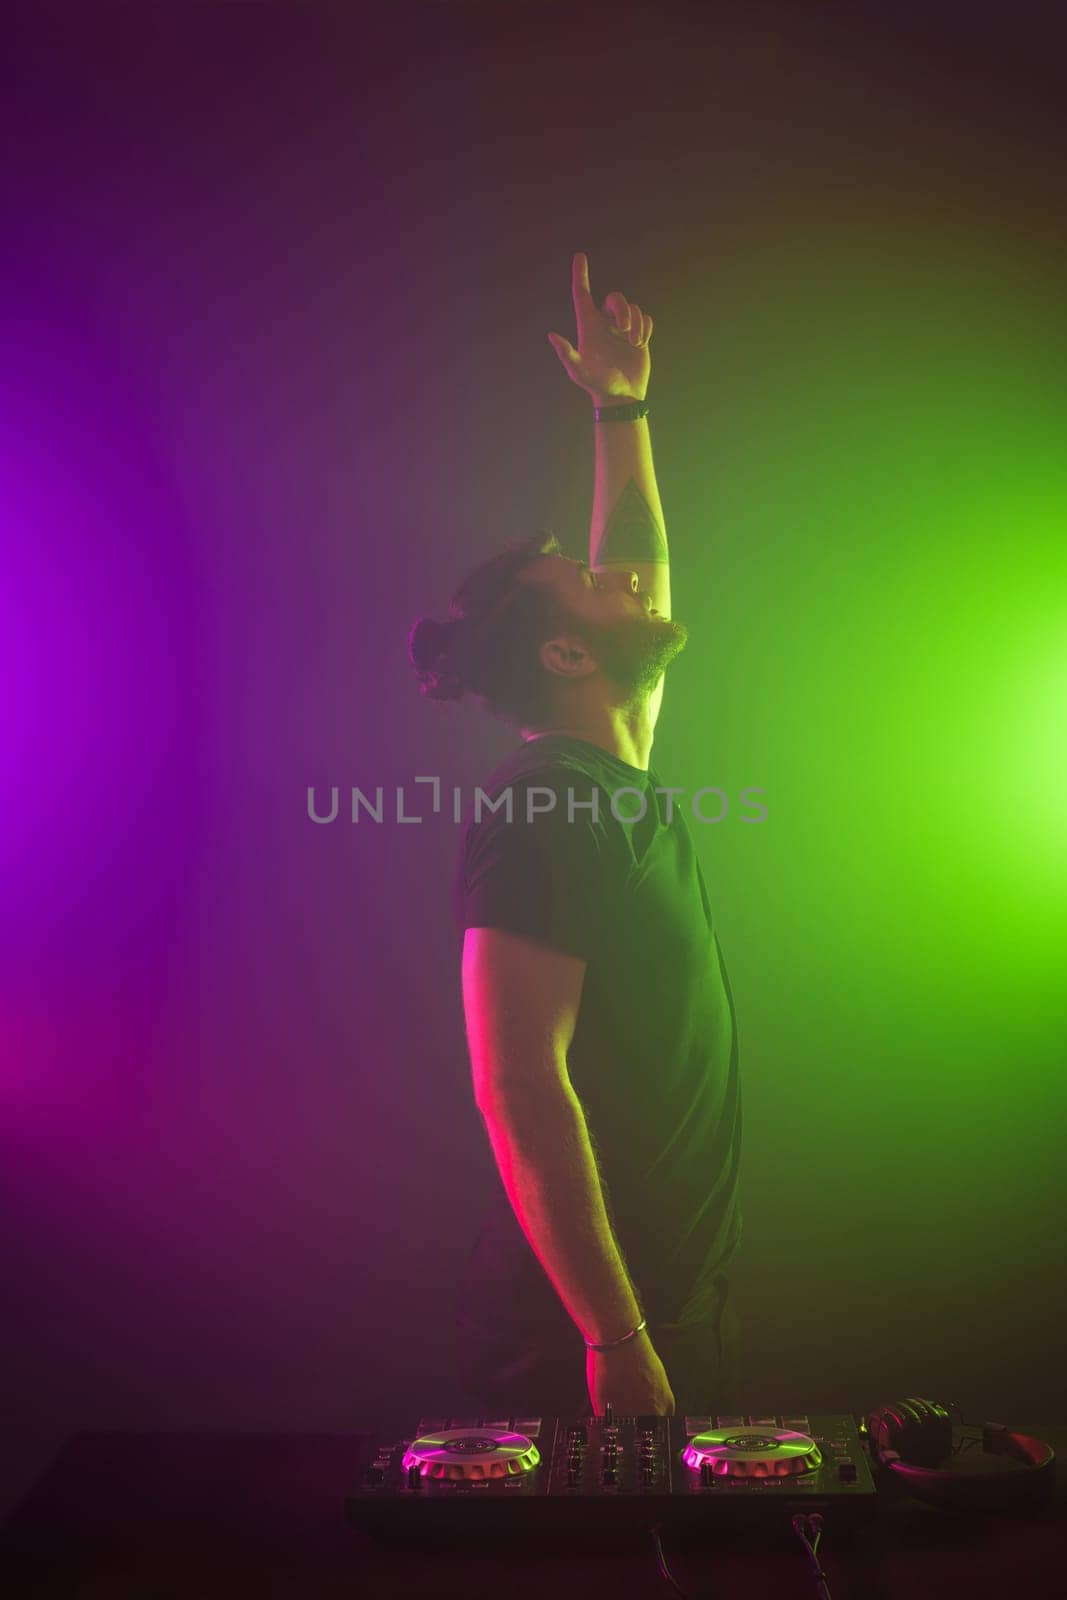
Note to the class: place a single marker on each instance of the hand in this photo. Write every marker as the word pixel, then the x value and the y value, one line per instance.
pixel 632 1377
pixel 612 359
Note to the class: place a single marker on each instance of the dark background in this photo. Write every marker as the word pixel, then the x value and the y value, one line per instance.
pixel 278 281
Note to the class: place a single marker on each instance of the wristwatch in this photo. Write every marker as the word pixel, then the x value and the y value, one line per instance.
pixel 627 411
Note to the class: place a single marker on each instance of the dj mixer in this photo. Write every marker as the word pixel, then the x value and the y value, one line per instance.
pixel 482 1474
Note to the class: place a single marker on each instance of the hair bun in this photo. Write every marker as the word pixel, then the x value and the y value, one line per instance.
pixel 431 647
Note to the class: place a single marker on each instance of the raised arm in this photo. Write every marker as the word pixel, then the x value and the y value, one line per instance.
pixel 612 364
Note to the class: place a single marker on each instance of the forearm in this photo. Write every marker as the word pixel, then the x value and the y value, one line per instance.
pixel 628 526
pixel 548 1168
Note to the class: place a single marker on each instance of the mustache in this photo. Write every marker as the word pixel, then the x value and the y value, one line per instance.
pixel 648 626
pixel 635 651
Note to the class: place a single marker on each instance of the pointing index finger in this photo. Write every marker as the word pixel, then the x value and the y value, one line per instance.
pixel 580 292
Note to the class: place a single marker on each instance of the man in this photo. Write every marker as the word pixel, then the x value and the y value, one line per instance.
pixel 599 1019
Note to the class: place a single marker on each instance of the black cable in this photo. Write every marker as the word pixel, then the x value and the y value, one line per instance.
pixel 662 1561
pixel 963 1442
pixel 966 1441
pixel 809 1531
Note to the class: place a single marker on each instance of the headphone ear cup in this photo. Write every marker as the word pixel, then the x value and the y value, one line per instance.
pixel 898 1429
pixel 931 1442
pixel 882 1427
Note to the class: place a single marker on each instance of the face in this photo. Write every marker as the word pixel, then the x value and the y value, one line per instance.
pixel 614 620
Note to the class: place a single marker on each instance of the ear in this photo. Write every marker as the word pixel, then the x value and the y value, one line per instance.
pixel 567 657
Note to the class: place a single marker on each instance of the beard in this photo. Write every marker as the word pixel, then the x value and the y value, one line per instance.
pixel 634 653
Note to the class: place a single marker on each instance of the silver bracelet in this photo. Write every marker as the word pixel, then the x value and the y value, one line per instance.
pixel 614 1342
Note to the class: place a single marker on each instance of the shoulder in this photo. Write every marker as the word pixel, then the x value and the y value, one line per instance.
pixel 541 799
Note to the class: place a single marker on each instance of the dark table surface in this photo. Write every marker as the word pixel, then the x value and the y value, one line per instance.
pixel 195 1516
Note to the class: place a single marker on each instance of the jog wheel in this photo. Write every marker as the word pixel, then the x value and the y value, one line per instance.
pixel 471 1454
pixel 752 1453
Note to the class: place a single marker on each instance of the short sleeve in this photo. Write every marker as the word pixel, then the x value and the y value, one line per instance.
pixel 545 878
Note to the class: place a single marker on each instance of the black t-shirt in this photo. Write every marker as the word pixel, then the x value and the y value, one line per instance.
pixel 654 1054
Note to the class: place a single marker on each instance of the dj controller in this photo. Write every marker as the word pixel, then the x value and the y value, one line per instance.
pixel 480 1475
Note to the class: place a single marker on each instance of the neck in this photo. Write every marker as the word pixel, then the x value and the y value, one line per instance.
pixel 624 731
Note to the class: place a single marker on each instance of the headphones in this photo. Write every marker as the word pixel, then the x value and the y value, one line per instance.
pixel 913 1439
